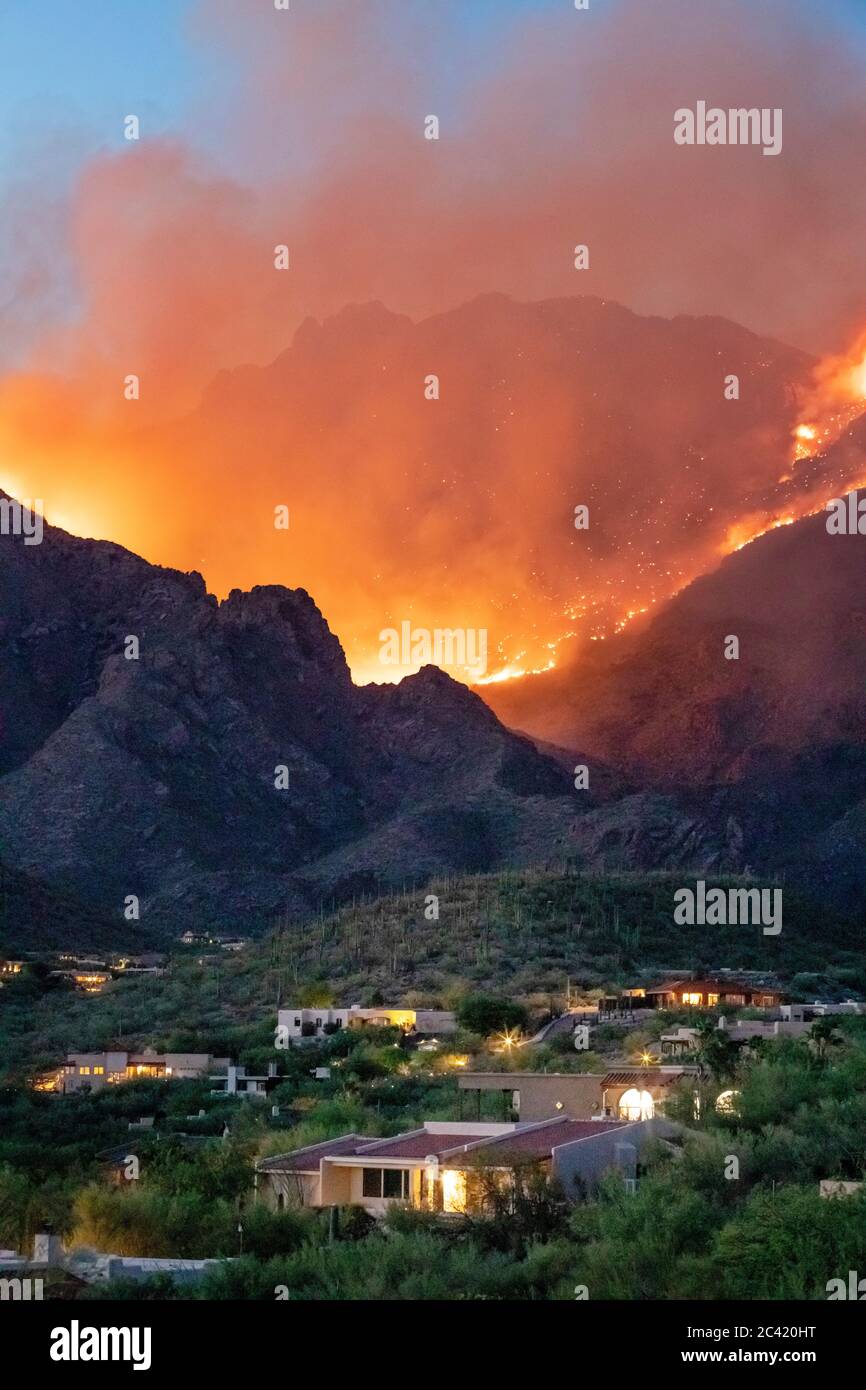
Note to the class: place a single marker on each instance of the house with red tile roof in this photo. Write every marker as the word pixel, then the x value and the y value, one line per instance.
pixel 709 993
pixel 436 1168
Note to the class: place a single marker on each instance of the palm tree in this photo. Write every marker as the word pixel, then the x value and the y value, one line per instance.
pixel 717 1052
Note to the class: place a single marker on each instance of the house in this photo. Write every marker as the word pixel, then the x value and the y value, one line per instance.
pixel 745 1030
pixel 441 1167
pixel 531 1096
pixel 636 1093
pixel 820 1009
pixel 680 1042
pixel 151 963
pixel 534 1095
pixel 709 993
pixel 90 1071
pixel 204 938
pixel 89 981
pixel 318 1022
pixel 25 1278
pixel 235 1082
pixel 68 1272
pixel 11 967
pixel 144 970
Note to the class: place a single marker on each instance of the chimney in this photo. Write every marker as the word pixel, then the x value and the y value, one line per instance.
pixel 47 1249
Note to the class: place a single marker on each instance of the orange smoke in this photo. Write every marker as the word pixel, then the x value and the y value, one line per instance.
pixel 260 388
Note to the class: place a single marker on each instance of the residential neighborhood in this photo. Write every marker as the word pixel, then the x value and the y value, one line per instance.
pixel 311 1116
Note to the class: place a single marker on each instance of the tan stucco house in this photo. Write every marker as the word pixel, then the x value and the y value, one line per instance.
pixel 436 1168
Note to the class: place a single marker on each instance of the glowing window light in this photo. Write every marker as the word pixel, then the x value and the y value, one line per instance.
pixel 636 1105
pixel 453 1190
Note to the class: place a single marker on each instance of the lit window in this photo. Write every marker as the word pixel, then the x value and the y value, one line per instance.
pixel 694 999
pixel 712 999
pixel 636 1105
pixel 453 1190
pixel 84 1071
pixel 99 1071
pixel 726 1103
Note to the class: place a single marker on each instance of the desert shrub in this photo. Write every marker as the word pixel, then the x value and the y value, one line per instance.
pixel 788 1244
pixel 487 1013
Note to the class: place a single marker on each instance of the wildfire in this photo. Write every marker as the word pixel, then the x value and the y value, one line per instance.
pixel 513 673
pixel 630 616
pixel 837 398
pixel 751 529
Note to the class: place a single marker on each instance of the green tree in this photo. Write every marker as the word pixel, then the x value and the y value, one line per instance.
pixel 487 1013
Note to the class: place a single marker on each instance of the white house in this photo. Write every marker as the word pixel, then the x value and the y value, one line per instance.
pixel 316 1022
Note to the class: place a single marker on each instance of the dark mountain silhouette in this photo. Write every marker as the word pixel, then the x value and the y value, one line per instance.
pixel 773 743
pixel 155 776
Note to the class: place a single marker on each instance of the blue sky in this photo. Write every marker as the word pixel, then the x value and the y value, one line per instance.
pixel 72 69
pixel 82 64
pixel 78 66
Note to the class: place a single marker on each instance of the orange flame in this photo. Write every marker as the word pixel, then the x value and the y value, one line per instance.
pixel 837 398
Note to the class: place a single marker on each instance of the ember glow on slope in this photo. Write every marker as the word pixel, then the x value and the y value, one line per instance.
pixel 162 253
pixel 836 399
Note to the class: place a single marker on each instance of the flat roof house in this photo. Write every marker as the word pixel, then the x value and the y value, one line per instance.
pixel 679 1042
pixel 315 1023
pixel 626 1094
pixel 744 1030
pixel 90 1071
pixel 234 1081
pixel 438 1168
pixel 88 981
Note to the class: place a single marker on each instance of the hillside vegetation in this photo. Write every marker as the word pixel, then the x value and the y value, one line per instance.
pixel 524 935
